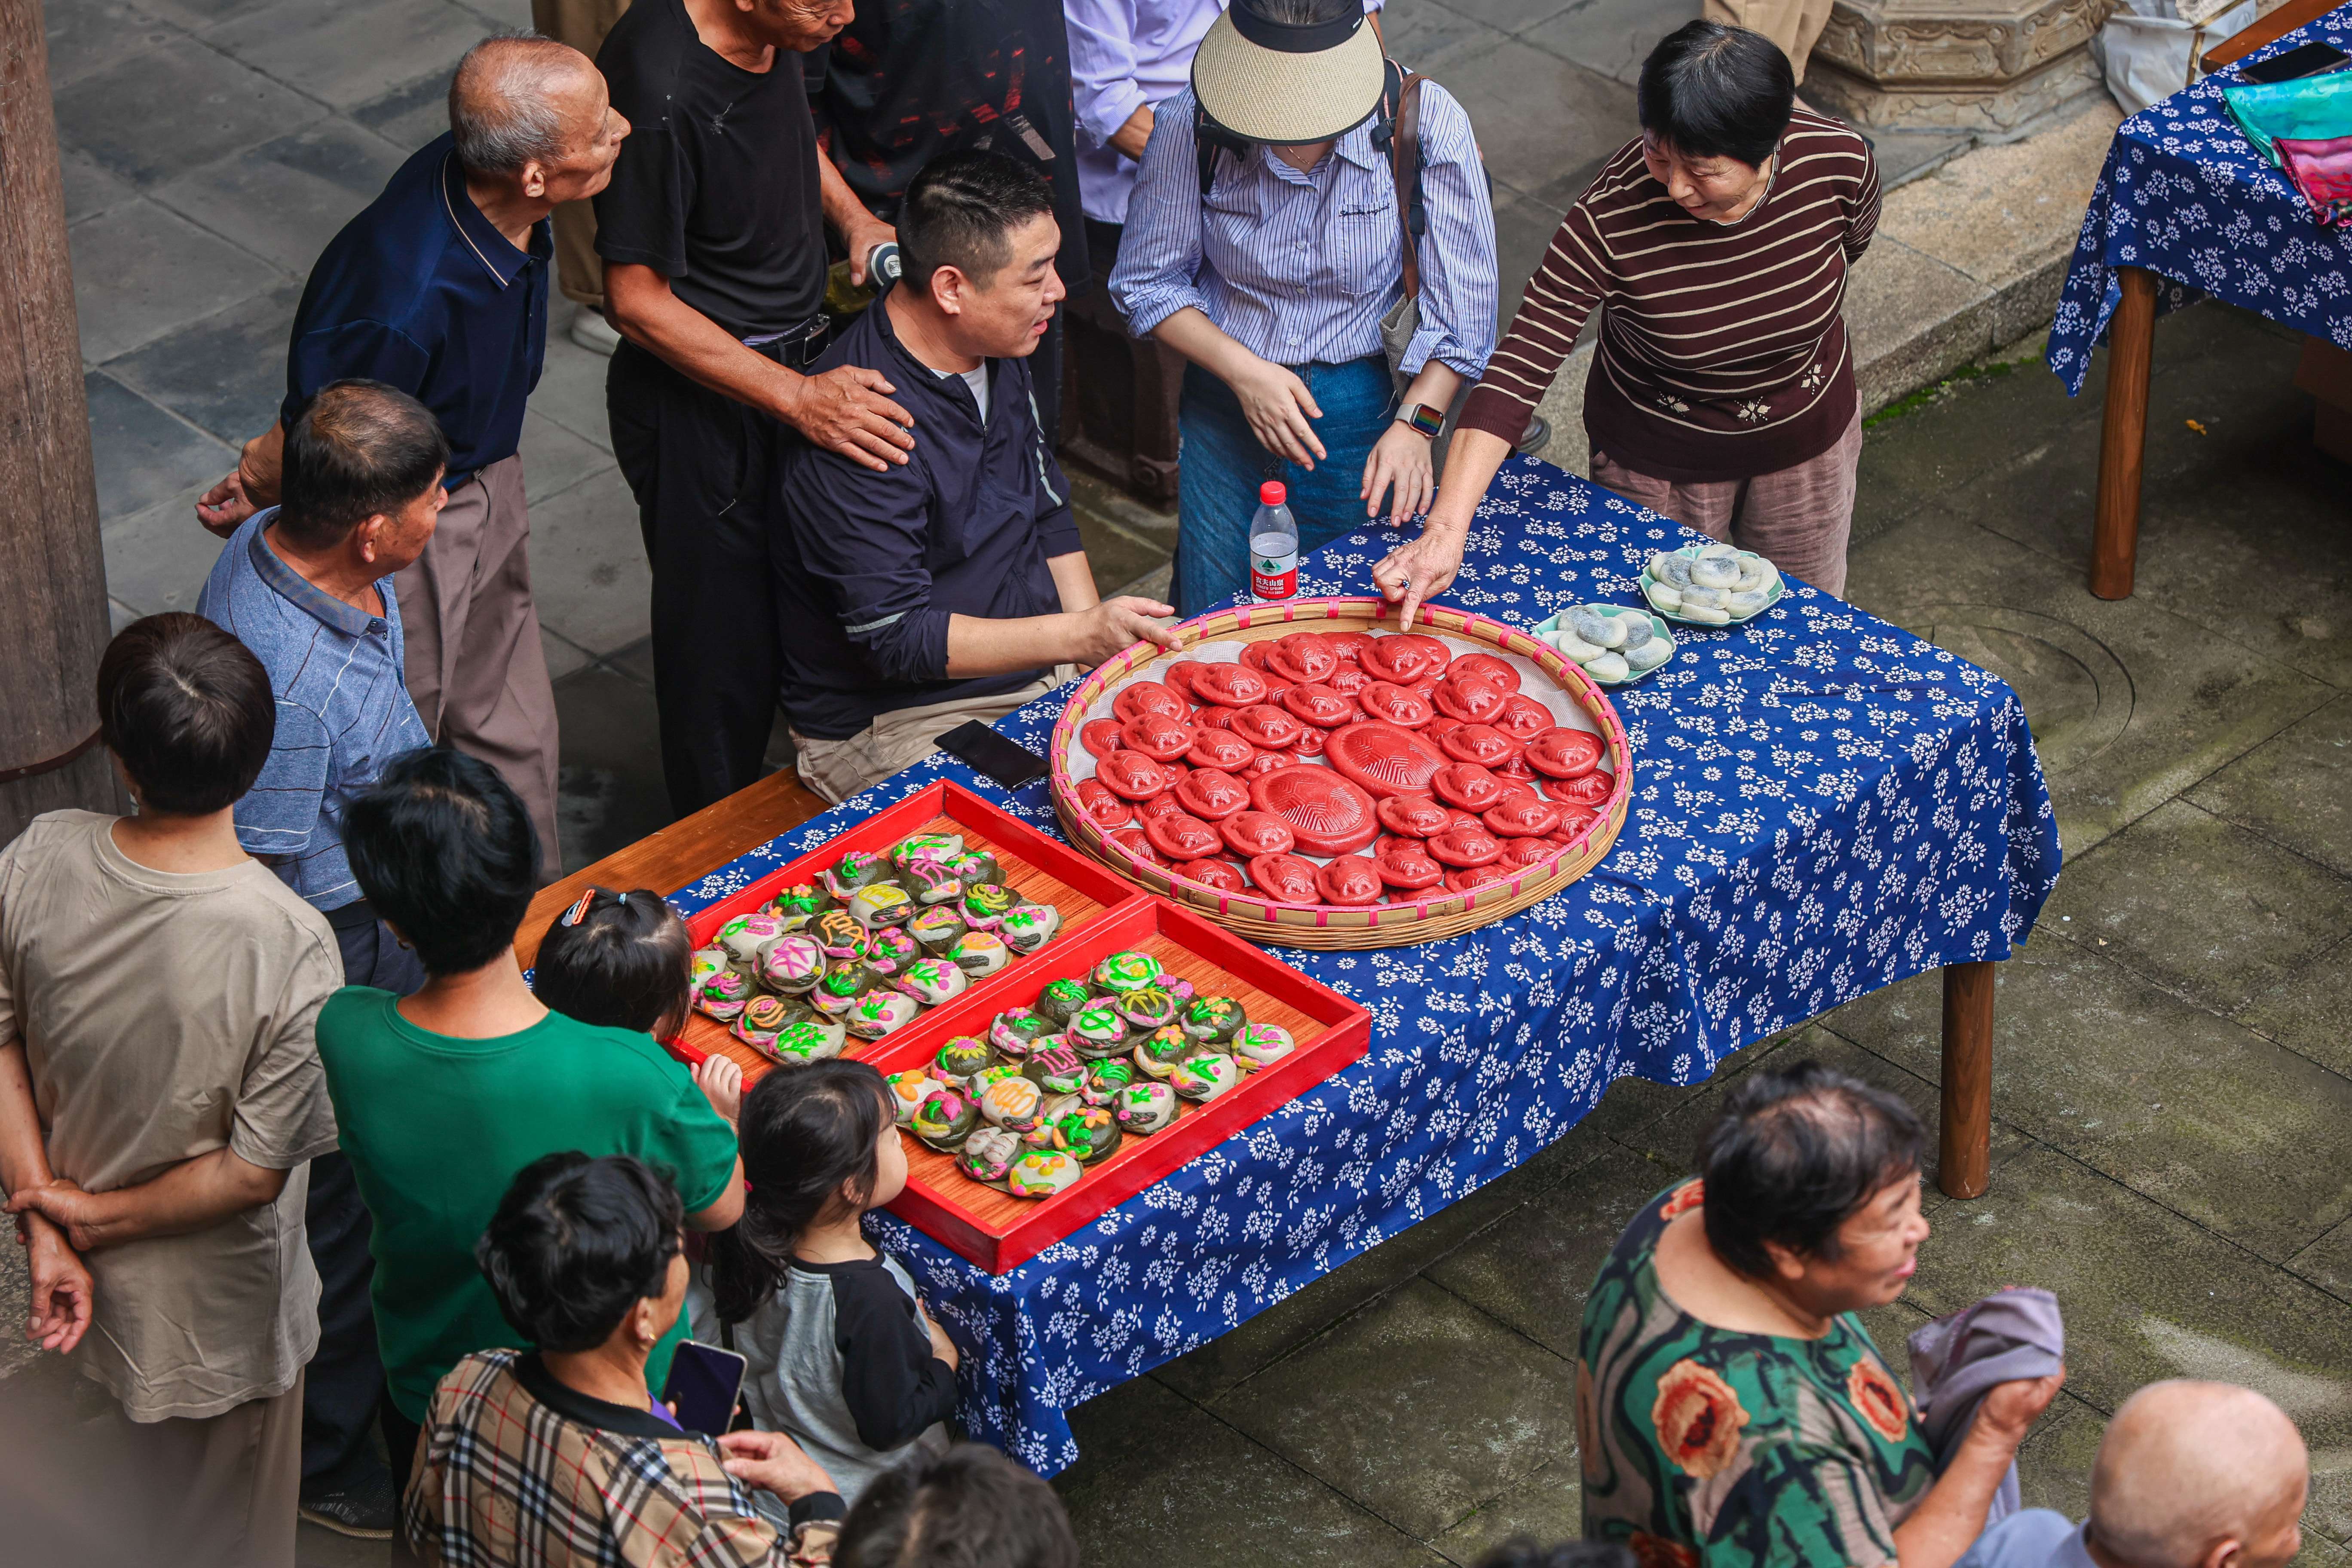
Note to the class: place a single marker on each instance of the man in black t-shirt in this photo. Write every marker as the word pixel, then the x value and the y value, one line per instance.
pixel 713 239
pixel 907 80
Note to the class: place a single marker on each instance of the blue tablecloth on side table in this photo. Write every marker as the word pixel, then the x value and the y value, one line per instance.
pixel 2186 195
pixel 1824 804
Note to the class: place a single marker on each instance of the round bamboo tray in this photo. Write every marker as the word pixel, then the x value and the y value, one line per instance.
pixel 1328 926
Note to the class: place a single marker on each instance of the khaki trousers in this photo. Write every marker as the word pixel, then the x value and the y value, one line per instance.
pixel 475 667
pixel 578 270
pixel 898 740
pixel 223 1489
pixel 1794 25
pixel 1797 518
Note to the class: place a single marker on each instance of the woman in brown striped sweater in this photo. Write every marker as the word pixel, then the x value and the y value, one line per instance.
pixel 1715 247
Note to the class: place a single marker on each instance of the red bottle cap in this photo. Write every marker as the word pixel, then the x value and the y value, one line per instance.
pixel 1272 493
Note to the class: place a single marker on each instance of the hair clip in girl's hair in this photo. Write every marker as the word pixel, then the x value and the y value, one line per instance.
pixel 625 900
pixel 572 915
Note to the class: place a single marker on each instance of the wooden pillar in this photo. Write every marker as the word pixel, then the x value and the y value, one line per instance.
pixel 2122 437
pixel 53 619
pixel 1966 1150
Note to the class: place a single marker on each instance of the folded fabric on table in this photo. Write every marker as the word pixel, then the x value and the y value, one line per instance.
pixel 2309 109
pixel 2322 171
pixel 1956 1361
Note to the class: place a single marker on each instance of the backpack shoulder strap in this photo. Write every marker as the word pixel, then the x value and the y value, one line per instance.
pixel 1404 167
pixel 1204 147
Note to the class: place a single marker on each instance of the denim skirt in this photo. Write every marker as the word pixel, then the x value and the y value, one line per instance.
pixel 1222 465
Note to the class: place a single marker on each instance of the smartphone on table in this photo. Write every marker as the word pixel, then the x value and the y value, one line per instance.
pixel 2310 59
pixel 1007 762
pixel 704 1383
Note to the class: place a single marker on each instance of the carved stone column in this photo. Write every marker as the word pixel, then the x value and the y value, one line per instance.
pixel 1985 67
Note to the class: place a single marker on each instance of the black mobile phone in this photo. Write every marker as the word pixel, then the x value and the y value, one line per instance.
pixel 1009 764
pixel 2310 59
pixel 703 1381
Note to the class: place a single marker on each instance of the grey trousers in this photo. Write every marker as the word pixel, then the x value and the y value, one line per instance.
pixel 1798 518
pixel 474 666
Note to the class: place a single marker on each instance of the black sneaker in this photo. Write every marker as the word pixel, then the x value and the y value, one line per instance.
pixel 360 1508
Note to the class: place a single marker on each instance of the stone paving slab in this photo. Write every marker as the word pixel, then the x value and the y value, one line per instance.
pixel 2310 1013
pixel 1231 1359
pixel 140 271
pixel 2291 789
pixel 2250 1141
pixel 1358 1407
pixel 2173 703
pixel 2213 912
pixel 1156 1468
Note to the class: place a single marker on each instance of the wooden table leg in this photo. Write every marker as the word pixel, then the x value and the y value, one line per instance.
pixel 2122 439
pixel 1966 1158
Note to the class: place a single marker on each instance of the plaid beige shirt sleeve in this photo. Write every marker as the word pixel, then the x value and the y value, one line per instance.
pixel 507 1480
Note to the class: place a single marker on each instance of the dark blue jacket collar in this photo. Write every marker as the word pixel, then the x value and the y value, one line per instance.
pixel 949 385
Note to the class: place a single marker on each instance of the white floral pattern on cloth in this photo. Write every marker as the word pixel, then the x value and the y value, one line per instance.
pixel 2186 195
pixel 1824 804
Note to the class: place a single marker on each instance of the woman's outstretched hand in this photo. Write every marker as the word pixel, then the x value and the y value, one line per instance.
pixel 1420 569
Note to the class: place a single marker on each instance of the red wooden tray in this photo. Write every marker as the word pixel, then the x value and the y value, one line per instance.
pixel 999 1231
pixel 1101 914
pixel 1042 869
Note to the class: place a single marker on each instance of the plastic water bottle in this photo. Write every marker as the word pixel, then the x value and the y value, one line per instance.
pixel 1274 545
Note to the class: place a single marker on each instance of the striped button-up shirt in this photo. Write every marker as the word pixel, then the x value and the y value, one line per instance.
pixel 1299 268
pixel 342 707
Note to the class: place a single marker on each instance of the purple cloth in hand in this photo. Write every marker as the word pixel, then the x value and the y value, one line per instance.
pixel 2321 172
pixel 1956 1361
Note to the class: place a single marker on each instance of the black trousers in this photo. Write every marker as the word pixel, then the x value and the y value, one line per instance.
pixel 343 1387
pixel 705 471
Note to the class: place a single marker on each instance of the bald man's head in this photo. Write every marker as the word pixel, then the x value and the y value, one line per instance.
pixel 2199 1474
pixel 523 98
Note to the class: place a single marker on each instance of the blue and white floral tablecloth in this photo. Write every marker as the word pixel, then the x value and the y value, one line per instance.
pixel 1823 804
pixel 2186 195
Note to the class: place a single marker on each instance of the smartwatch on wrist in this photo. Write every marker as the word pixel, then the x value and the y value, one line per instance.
pixel 1421 419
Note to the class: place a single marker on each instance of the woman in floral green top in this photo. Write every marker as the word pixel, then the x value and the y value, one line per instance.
pixel 1732 1409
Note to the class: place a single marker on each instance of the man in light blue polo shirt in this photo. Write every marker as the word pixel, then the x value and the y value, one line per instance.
pixel 306 586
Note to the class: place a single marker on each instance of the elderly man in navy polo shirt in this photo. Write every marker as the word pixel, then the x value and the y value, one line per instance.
pixel 439 288
pixel 953 587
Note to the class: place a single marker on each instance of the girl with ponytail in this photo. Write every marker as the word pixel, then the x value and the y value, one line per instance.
pixel 842 1355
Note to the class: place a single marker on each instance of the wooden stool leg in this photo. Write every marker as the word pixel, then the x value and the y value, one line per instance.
pixel 2122 439
pixel 1967 1150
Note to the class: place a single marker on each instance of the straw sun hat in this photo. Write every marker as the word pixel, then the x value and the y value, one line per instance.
pixel 1270 71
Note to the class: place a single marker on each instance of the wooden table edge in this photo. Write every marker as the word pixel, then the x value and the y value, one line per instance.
pixel 687 848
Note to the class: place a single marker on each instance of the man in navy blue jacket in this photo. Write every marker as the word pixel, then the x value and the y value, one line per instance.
pixel 954 586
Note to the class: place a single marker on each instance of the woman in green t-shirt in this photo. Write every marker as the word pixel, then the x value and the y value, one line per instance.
pixel 443 1097
pixel 1732 1409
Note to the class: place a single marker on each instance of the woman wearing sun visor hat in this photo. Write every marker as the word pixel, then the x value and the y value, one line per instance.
pixel 1265 243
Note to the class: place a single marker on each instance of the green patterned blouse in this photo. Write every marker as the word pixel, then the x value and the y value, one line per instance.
pixel 1702 1446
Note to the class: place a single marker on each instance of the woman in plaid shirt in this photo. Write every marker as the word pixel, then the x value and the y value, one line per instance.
pixel 556 1456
